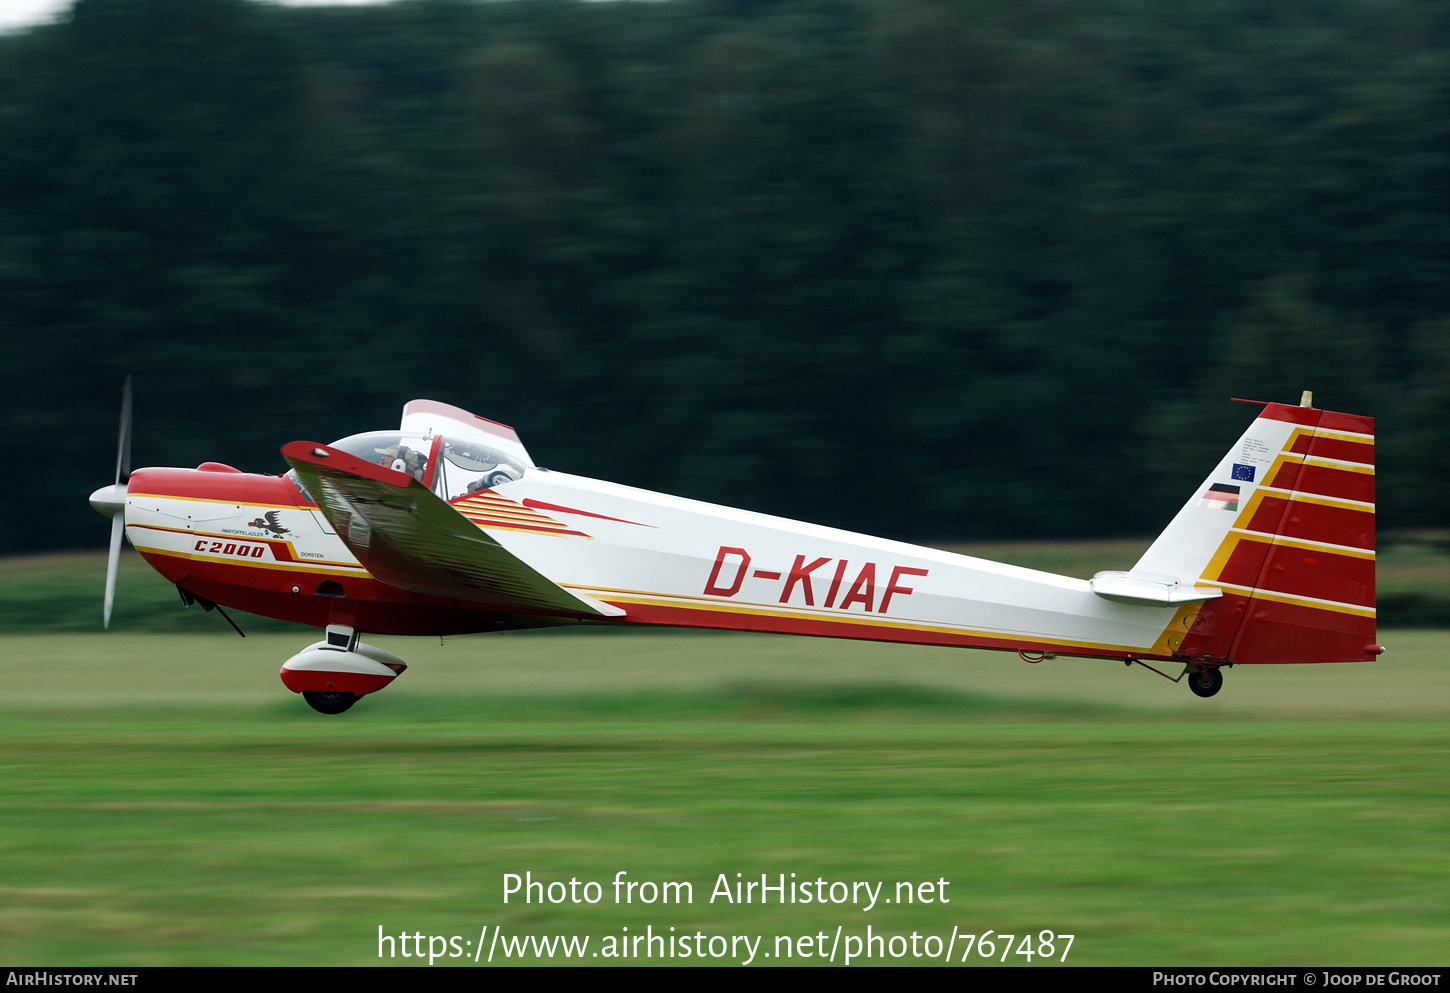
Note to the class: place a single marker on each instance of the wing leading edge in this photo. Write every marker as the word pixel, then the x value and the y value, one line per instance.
pixel 409 538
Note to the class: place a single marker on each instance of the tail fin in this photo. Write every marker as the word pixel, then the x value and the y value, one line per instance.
pixel 1284 526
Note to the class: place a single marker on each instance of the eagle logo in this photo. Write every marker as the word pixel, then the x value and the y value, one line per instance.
pixel 269 522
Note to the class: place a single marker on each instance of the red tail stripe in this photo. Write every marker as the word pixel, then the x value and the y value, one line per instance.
pixel 1340 450
pixel 1324 481
pixel 1288 632
pixel 1286 477
pixel 1293 415
pixel 1211 632
pixel 1244 563
pixel 1314 522
pixel 1340 483
pixel 1334 525
pixel 1267 515
pixel 1357 423
pixel 1300 572
pixel 1318 574
pixel 1268 630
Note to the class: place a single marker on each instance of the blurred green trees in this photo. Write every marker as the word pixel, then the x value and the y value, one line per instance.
pixel 931 269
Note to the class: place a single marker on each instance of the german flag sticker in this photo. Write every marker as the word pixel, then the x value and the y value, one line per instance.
pixel 1221 496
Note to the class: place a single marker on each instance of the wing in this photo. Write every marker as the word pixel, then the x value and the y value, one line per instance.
pixel 409 538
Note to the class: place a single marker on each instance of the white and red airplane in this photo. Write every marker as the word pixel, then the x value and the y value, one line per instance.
pixel 446 526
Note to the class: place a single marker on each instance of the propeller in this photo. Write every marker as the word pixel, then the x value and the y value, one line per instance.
pixel 111 501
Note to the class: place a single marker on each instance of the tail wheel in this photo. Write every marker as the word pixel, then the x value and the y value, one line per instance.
pixel 1206 681
pixel 333 703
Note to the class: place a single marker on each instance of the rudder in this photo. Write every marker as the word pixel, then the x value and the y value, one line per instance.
pixel 1284 526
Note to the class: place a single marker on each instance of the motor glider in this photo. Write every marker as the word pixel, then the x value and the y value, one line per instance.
pixel 447 526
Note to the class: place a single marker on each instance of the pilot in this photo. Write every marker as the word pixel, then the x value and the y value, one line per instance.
pixel 401 458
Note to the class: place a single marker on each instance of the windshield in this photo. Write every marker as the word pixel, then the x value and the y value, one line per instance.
pixel 458 467
pixel 296 481
pixel 468 466
pixel 392 450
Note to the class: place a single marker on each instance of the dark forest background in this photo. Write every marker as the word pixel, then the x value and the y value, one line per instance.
pixel 936 270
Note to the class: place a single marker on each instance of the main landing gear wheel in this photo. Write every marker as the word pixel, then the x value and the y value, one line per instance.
pixel 335 703
pixel 1206 681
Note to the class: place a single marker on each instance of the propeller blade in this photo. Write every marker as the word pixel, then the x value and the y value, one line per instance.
pixel 123 443
pixel 113 565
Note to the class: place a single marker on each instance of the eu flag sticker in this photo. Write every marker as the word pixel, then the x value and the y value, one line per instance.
pixel 1244 472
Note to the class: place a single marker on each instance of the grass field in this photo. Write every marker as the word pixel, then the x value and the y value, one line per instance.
pixel 163 799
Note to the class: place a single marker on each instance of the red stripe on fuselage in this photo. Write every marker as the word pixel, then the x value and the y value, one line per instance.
pixel 649 613
pixel 541 505
pixel 366 604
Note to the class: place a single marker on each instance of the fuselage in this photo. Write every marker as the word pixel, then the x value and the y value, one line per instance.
pixel 260 544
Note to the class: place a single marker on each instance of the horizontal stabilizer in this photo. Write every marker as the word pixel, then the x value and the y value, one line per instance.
pixel 1123 587
pixel 409 538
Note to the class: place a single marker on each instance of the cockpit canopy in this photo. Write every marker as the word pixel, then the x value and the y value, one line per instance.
pixel 450 467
